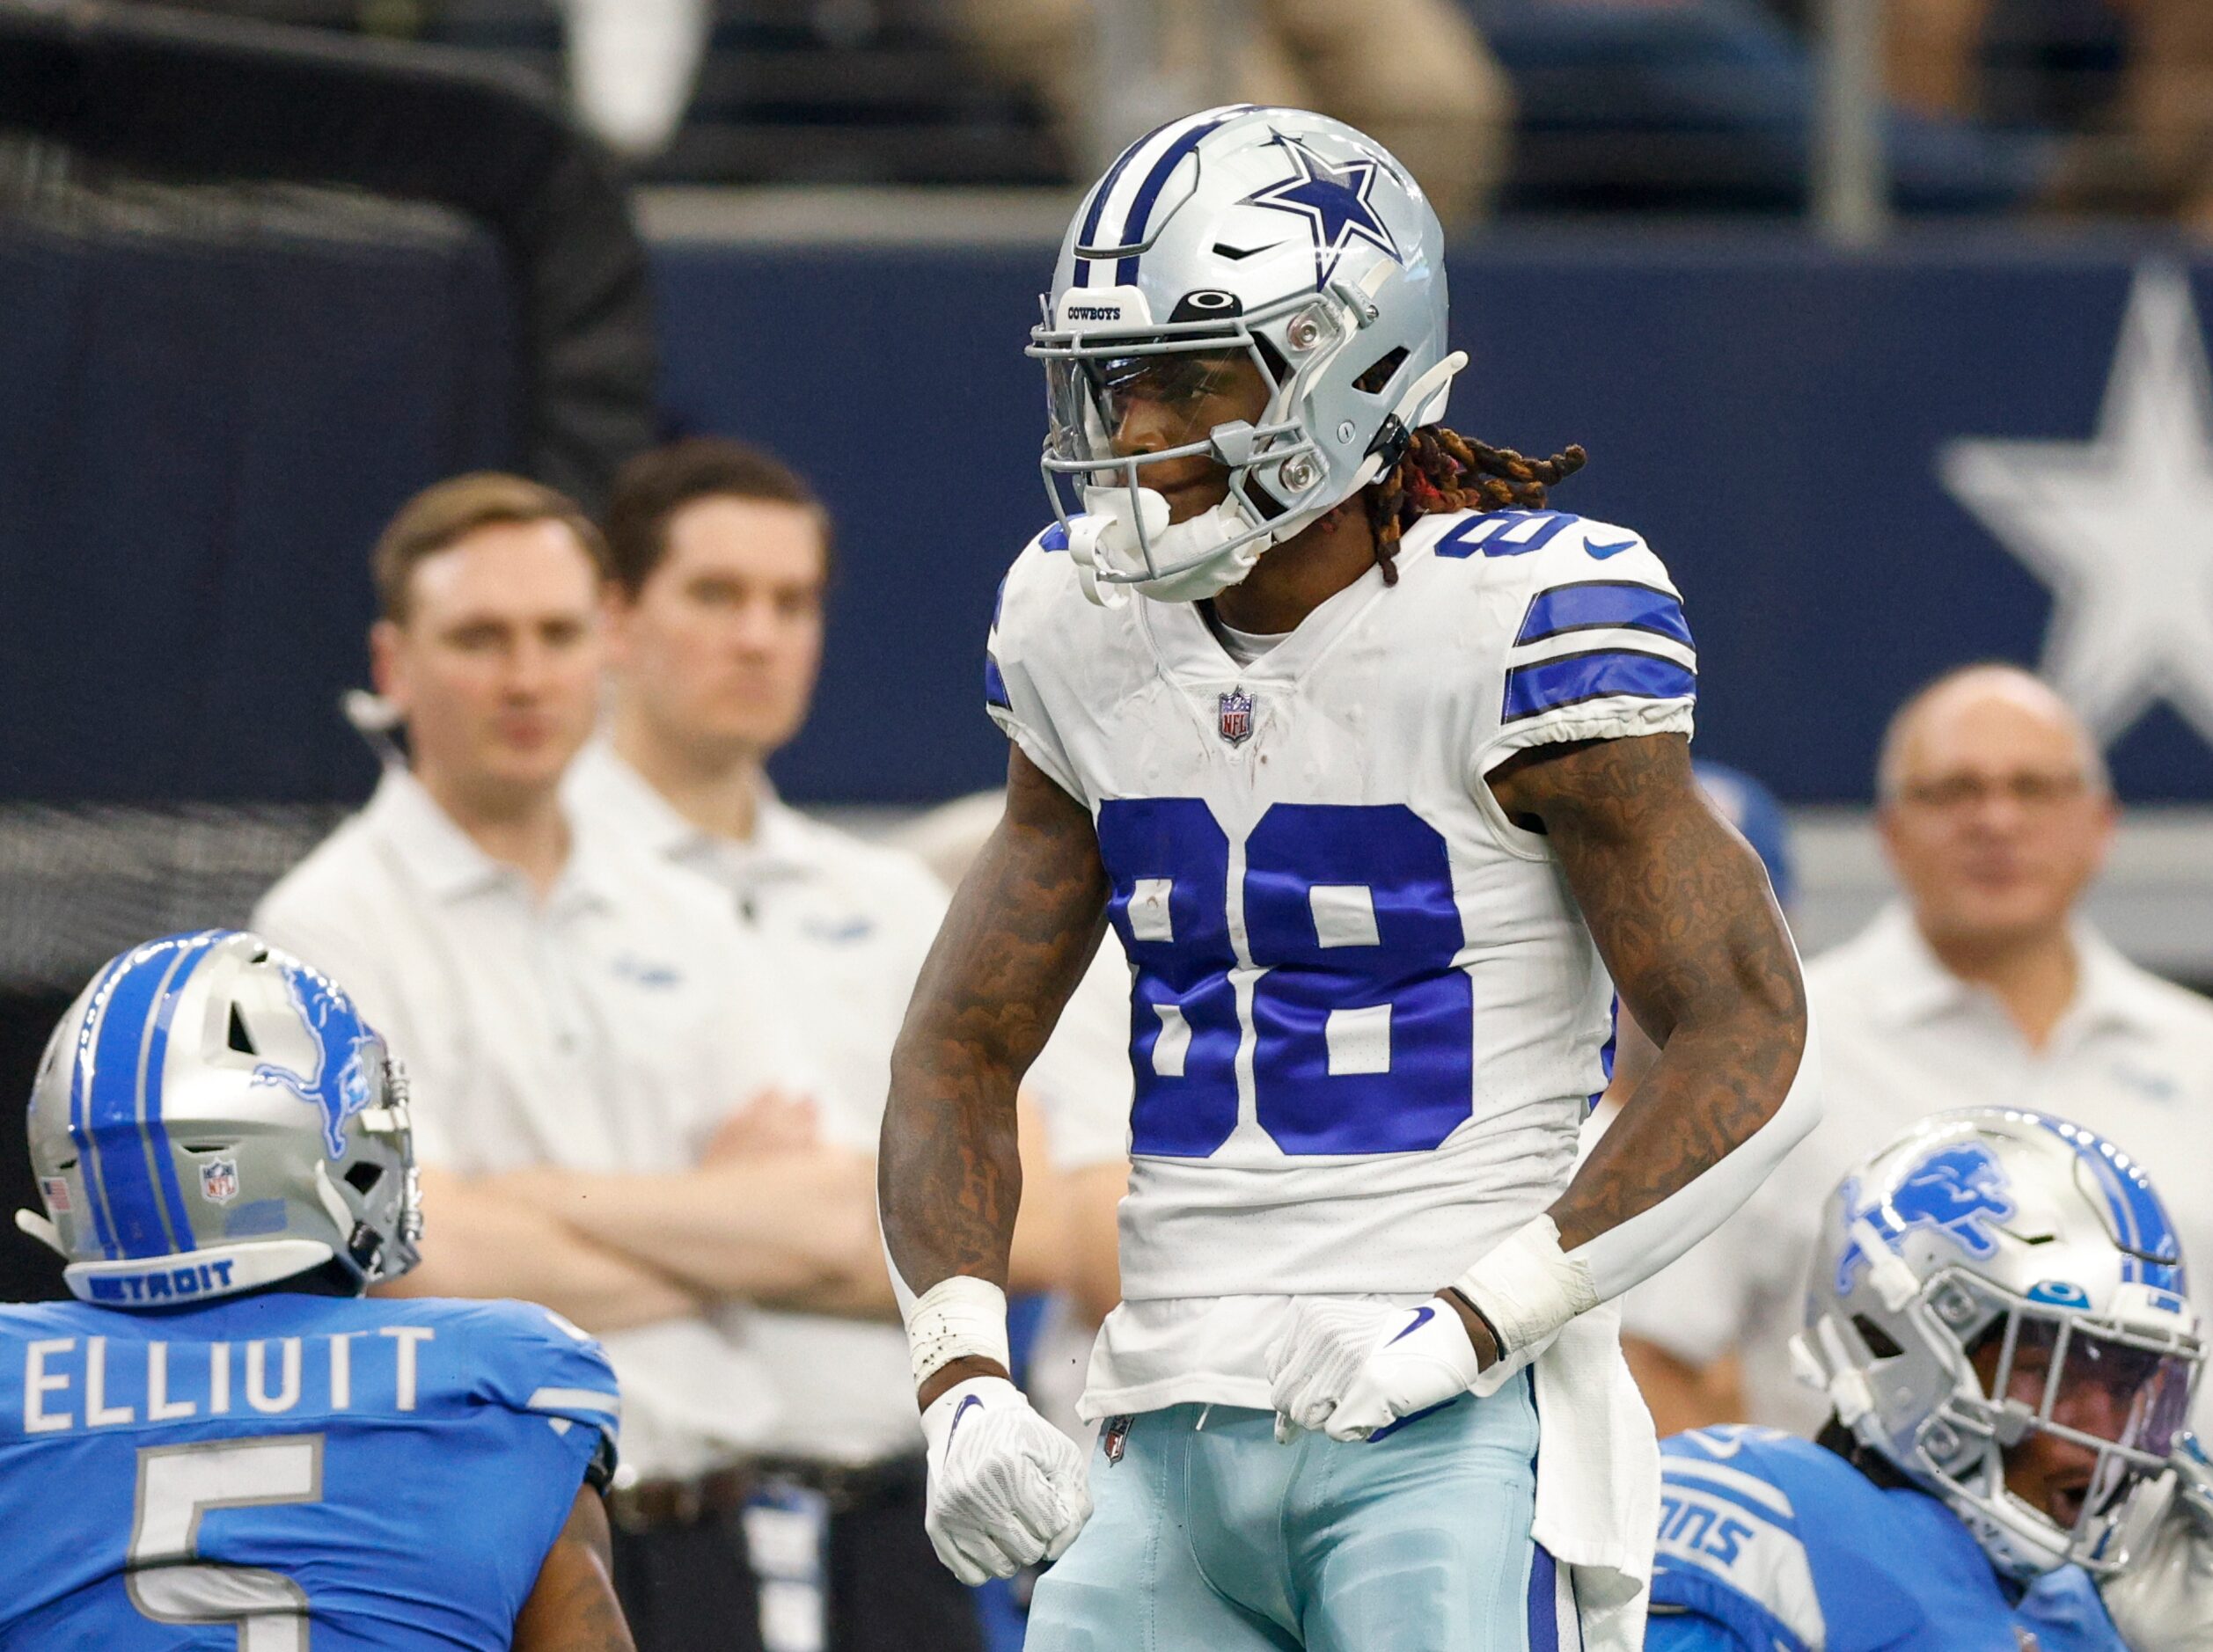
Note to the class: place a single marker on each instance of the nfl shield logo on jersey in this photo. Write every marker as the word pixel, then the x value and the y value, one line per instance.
pixel 219 1179
pixel 1236 716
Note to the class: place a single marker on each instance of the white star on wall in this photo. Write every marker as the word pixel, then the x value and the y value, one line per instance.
pixel 2121 527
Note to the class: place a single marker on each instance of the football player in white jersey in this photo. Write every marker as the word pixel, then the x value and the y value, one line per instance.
pixel 1379 767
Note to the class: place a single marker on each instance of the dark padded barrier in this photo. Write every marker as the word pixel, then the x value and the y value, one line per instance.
pixel 256 289
pixel 208 98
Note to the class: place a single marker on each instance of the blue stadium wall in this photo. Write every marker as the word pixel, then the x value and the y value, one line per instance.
pixel 1768 413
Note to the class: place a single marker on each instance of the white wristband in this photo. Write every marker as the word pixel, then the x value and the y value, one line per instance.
pixel 960 1317
pixel 1527 1288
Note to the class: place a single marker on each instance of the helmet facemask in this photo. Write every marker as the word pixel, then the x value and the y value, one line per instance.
pixel 2114 1397
pixel 1277 481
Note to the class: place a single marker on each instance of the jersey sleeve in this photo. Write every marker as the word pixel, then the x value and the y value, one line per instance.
pixel 1020 621
pixel 1730 1550
pixel 1598 646
pixel 532 1361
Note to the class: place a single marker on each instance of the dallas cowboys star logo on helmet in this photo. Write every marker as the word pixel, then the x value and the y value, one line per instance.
pixel 1334 201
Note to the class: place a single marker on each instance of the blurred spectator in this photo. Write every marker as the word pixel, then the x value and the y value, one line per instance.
pixel 721 557
pixel 633 65
pixel 574 1022
pixel 1412 74
pixel 2129 81
pixel 1709 105
pixel 1983 989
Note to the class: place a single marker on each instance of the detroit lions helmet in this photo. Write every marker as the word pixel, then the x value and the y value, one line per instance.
pixel 1282 236
pixel 1997 1232
pixel 212 1115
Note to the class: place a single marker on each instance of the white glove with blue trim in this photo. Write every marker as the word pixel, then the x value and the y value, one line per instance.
pixel 1352 1370
pixel 2164 1602
pixel 1008 1489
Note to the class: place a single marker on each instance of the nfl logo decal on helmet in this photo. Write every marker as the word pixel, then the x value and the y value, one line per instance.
pixel 219 1179
pixel 1236 716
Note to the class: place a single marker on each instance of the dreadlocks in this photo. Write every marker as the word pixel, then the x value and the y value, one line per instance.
pixel 1442 470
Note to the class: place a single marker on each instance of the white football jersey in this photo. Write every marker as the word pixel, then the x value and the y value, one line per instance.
pixel 1367 1018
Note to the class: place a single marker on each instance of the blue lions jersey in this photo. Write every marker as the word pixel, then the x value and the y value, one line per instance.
pixel 283 1472
pixel 1769 1543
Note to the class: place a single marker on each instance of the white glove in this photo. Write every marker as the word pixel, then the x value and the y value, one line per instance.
pixel 2164 1602
pixel 1007 1488
pixel 1352 1368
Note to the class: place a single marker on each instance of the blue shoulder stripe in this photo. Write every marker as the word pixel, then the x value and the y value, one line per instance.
pixel 995 687
pixel 1599 605
pixel 1055 538
pixel 1603 674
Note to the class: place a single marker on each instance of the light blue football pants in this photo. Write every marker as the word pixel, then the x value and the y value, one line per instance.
pixel 1215 1539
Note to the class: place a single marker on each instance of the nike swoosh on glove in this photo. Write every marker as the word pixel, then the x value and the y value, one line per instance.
pixel 1350 1370
pixel 2164 1602
pixel 1008 1489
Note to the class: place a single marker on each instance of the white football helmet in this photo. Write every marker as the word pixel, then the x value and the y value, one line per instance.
pixel 1993 1230
pixel 212 1115
pixel 1280 236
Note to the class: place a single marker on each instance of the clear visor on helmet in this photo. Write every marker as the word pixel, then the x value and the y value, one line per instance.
pixel 2108 1400
pixel 1194 411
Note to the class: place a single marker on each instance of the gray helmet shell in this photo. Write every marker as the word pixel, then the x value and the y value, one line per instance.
pixel 1279 234
pixel 212 1115
pixel 1996 1226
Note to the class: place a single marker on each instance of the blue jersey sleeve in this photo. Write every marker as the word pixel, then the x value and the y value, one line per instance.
pixel 535 1363
pixel 1730 1547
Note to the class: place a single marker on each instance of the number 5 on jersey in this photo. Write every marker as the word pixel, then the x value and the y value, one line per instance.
pixel 168 1579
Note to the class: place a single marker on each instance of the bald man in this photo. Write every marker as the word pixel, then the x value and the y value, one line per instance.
pixel 1983 987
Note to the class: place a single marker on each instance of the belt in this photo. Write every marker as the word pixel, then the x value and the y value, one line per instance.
pixel 653 1504
pixel 846 1487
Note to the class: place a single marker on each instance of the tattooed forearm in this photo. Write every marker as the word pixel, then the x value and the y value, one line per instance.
pixel 573 1607
pixel 1021 932
pixel 1684 919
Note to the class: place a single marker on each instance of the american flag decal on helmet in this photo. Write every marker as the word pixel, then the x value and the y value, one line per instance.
pixel 1236 716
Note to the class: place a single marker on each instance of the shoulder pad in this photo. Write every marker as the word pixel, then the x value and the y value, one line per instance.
pixel 1730 1545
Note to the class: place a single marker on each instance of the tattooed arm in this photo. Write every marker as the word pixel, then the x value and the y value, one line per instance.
pixel 1684 919
pixel 1022 930
pixel 572 1607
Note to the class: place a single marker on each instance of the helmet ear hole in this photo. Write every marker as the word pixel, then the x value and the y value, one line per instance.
pixel 364 1176
pixel 1880 1342
pixel 1380 374
pixel 240 1039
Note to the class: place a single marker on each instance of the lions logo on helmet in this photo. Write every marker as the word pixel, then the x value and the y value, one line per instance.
pixel 212 1117
pixel 339 1082
pixel 1181 250
pixel 1959 1191
pixel 1992 1275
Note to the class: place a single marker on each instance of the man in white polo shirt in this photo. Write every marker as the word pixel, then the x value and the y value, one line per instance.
pixel 1983 989
pixel 721 557
pixel 564 1004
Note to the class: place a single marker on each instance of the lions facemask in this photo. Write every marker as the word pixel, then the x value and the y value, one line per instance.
pixel 1243 234
pixel 1994 1275
pixel 212 1115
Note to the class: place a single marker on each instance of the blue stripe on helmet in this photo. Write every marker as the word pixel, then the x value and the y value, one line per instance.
pixel 2140 1220
pixel 80 1132
pixel 1097 209
pixel 112 1106
pixel 195 953
pixel 1134 224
